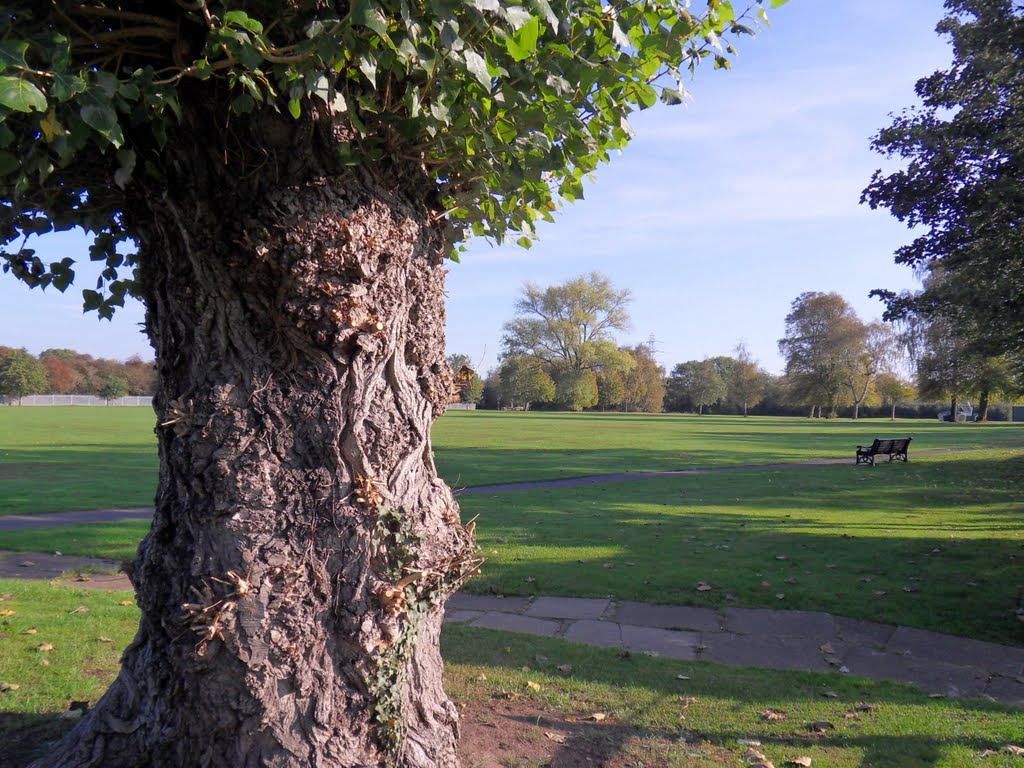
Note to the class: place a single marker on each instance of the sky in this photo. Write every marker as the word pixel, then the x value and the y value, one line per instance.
pixel 716 217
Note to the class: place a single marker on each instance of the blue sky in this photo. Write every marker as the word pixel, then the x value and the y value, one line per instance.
pixel 716 217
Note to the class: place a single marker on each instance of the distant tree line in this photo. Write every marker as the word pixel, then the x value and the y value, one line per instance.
pixel 66 372
pixel 559 353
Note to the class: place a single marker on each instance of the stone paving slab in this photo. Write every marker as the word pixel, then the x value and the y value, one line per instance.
pixel 923 644
pixel 568 608
pixel 39 566
pixel 667 616
pixel 770 622
pixel 1009 690
pixel 606 634
pixel 461 617
pixel 460 601
pixel 664 642
pixel 934 676
pixel 763 651
pixel 511 622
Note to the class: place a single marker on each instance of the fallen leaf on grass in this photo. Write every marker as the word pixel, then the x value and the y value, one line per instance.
pixel 30 631
pixel 529 579
pixel 558 738
pixel 790 580
pixel 830 694
pixel 865 707
pixel 5 687
pixel 1013 749
pixel 80 609
pixel 757 759
pixel 686 701
pixel 566 668
pixel 6 596
pixel 772 714
pixel 781 557
pixel 780 595
pixel 682 677
pixel 6 612
pixel 827 649
pixel 105 639
pixel 127 602
pixel 597 717
pixel 532 685
pixel 850 715
pixel 821 726
pixel 803 760
pixel 703 586
pixel 26 564
pixel 540 659
pixel 44 647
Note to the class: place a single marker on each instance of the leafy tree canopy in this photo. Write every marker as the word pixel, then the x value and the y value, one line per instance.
pixel 963 183
pixel 507 105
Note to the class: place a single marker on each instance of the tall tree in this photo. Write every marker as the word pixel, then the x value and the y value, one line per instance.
pixel 522 381
pixel 644 381
pixel 867 361
pixel 893 390
pixel 21 374
pixel 570 329
pixel 963 182
pixel 747 382
pixel 293 176
pixel 696 383
pixel 823 334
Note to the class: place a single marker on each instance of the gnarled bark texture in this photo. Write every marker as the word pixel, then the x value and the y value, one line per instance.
pixel 292 584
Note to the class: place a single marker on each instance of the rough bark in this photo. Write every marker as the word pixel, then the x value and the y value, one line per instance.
pixel 983 402
pixel 292 583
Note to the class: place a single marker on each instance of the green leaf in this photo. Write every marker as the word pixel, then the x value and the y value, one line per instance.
pixel 242 19
pixel 8 163
pixel 102 118
pixel 778 3
pixel 20 95
pixel 294 108
pixel 368 14
pixel 672 97
pixel 523 44
pixel 12 53
pixel 126 164
pixel 477 67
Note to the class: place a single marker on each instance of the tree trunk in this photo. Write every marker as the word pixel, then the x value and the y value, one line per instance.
pixel 893 417
pixel 293 581
pixel 983 401
pixel 954 404
pixel 856 409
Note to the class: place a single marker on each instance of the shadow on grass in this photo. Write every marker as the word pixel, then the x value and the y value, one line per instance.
pixel 27 737
pixel 900 726
pixel 907 544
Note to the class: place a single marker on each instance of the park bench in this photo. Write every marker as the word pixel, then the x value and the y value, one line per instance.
pixel 894 448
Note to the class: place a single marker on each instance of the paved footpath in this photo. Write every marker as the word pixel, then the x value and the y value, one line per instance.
pixel 755 637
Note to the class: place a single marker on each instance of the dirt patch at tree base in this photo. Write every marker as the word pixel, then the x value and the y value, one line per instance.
pixel 511 734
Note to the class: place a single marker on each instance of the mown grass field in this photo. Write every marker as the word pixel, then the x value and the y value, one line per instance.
pixel 61 644
pixel 55 459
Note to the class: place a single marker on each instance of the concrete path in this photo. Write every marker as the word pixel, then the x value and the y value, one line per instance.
pixel 50 519
pixel 762 637
pixel 755 637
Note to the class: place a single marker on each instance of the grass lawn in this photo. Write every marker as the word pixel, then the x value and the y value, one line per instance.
pixel 55 459
pixel 488 447
pixel 937 543
pixel 656 711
